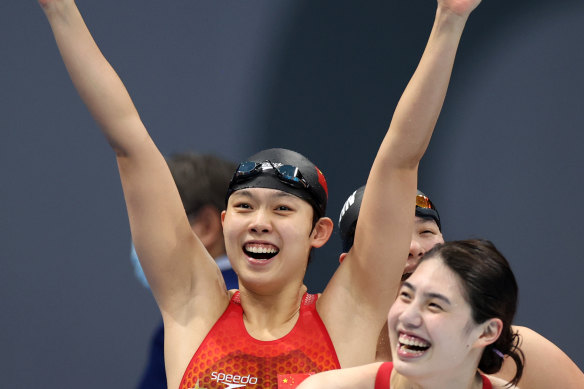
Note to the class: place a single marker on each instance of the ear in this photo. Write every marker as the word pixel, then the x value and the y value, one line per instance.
pixel 342 257
pixel 491 330
pixel 322 231
pixel 222 217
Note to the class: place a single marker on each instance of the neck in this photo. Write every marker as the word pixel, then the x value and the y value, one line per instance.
pixel 272 316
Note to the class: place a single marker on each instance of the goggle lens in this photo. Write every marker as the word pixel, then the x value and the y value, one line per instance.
pixel 247 168
pixel 291 174
pixel 424 202
pixel 287 173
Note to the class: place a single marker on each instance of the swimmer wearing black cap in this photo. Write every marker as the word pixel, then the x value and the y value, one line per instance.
pixel 275 216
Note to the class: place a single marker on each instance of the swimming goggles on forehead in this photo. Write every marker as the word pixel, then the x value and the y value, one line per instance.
pixel 286 173
pixel 424 202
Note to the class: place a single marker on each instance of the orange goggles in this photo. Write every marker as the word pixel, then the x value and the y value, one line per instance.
pixel 424 202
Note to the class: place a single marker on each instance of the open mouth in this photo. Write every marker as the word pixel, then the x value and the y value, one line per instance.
pixel 261 252
pixel 412 346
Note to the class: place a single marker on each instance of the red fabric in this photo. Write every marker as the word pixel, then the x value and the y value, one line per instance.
pixel 486 383
pixel 230 358
pixel 384 374
pixel 288 381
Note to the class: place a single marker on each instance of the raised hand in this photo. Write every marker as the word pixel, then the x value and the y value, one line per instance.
pixel 47 4
pixel 459 7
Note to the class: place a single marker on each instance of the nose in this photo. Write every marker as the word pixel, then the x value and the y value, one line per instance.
pixel 260 223
pixel 410 316
pixel 416 250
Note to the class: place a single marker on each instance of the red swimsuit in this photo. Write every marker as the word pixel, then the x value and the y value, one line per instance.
pixel 230 358
pixel 384 373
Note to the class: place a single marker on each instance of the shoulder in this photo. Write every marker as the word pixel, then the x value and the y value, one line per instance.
pixel 499 383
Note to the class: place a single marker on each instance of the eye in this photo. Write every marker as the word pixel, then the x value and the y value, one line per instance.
pixel 405 295
pixel 435 307
pixel 242 205
pixel 283 208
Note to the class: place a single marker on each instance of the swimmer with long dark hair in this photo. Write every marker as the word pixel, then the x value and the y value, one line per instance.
pixel 451 318
pixel 545 364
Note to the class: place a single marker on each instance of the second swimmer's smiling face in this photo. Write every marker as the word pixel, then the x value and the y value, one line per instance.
pixel 430 324
pixel 425 236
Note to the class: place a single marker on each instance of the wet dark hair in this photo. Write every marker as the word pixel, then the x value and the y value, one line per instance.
pixel 491 291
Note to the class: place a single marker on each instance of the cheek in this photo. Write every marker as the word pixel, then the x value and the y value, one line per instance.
pixel 450 334
pixel 295 238
pixel 297 228
pixel 229 239
pixel 428 244
pixel 231 229
pixel 394 312
pixel 392 320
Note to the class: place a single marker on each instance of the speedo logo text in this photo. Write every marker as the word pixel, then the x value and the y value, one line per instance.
pixel 232 381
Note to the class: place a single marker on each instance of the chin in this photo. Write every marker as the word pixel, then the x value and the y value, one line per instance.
pixel 413 370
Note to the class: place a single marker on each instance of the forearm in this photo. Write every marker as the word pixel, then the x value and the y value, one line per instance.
pixel 95 80
pixel 361 377
pixel 394 172
pixel 418 109
pixel 160 229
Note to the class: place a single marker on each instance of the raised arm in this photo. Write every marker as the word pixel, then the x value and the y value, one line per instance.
pixel 367 281
pixel 160 230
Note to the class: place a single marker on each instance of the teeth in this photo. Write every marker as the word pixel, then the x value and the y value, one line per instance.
pixel 260 249
pixel 412 341
pixel 406 351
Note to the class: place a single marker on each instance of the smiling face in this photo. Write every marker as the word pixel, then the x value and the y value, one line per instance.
pixel 268 236
pixel 430 325
pixel 425 235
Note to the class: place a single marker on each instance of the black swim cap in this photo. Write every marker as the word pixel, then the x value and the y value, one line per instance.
pixel 350 214
pixel 285 170
pixel 427 210
pixel 348 218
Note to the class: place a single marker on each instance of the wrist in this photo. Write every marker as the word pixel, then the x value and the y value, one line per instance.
pixel 450 19
pixel 459 9
pixel 56 9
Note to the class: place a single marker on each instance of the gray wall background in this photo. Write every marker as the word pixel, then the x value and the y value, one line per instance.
pixel 505 162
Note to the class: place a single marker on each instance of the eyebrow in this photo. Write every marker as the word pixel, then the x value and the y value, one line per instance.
pixel 430 295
